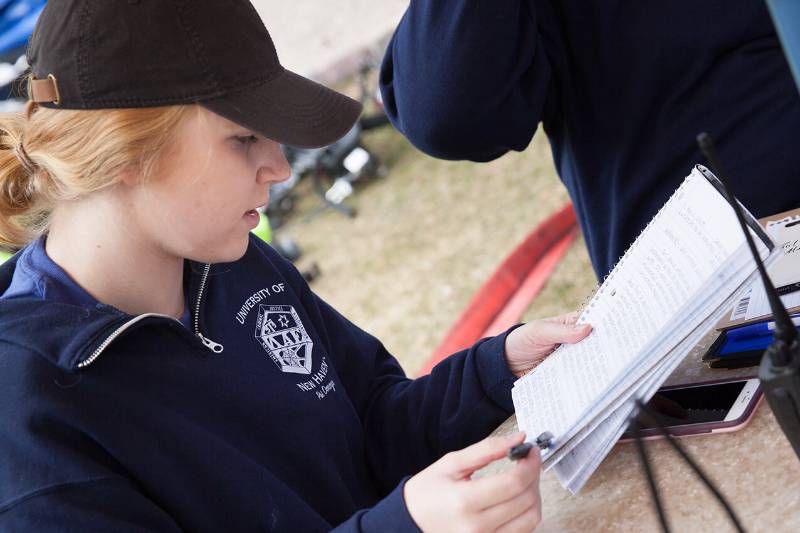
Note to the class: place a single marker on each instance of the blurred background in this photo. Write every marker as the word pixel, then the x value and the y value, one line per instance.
pixel 311 36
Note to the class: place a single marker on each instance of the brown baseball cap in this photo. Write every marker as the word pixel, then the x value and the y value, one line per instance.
pixel 100 54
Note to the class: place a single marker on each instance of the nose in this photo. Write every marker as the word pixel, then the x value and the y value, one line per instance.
pixel 273 167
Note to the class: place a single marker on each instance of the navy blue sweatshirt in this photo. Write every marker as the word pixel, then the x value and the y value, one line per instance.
pixel 622 88
pixel 274 414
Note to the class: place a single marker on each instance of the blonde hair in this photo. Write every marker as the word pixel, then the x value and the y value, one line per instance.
pixel 51 155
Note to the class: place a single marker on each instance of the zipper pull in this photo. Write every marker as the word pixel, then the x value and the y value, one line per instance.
pixel 211 345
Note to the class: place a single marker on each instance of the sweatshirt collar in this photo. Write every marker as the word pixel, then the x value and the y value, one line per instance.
pixel 73 336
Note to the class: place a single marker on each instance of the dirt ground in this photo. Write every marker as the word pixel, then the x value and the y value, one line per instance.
pixel 428 235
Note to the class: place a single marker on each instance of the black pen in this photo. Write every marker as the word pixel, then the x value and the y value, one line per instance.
pixel 521 451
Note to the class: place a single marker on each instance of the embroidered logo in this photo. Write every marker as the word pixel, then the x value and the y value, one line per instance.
pixel 283 336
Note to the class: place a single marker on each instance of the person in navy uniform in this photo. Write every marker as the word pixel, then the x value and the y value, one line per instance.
pixel 163 370
pixel 621 88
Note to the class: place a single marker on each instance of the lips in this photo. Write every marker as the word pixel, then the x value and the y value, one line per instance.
pixel 252 218
pixel 256 209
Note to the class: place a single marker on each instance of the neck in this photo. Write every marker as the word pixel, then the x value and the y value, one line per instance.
pixel 104 253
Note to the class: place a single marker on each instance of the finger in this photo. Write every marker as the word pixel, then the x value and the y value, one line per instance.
pixel 526 521
pixel 507 485
pixel 463 463
pixel 555 333
pixel 502 513
pixel 567 318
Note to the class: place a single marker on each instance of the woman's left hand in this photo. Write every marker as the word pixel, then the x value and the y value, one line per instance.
pixel 529 345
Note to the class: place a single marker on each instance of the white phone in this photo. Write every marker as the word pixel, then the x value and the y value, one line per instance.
pixel 701 408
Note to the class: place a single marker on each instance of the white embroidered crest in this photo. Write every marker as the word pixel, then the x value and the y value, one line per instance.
pixel 283 336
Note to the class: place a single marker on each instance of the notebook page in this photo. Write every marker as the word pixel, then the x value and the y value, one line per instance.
pixel 642 388
pixel 577 466
pixel 574 470
pixel 589 454
pixel 681 250
pixel 696 322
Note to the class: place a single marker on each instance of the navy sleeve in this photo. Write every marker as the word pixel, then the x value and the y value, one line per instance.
pixel 390 515
pixel 92 505
pixel 466 80
pixel 411 423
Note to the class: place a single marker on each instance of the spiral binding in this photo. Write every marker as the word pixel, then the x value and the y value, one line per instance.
pixel 591 300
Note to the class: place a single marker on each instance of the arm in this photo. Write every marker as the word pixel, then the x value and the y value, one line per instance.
pixel 104 504
pixel 389 514
pixel 466 80
pixel 408 423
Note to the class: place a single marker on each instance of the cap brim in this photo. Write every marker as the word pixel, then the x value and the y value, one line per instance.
pixel 290 109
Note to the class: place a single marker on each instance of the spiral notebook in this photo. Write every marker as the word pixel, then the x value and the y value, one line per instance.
pixel 669 289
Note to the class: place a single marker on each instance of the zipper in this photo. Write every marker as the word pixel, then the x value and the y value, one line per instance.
pixel 117 332
pixel 208 343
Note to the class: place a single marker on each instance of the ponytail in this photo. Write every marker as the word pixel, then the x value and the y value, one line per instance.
pixel 18 212
pixel 52 155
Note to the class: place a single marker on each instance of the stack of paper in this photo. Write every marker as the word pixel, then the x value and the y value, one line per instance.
pixel 666 292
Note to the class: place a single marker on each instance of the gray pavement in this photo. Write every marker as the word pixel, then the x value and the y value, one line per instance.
pixel 313 35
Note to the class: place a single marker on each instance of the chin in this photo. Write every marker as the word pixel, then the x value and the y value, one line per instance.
pixel 227 252
pixel 233 252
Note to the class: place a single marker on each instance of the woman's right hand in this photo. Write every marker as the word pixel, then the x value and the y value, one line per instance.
pixel 443 497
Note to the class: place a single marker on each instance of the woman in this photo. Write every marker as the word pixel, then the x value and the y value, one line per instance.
pixel 159 368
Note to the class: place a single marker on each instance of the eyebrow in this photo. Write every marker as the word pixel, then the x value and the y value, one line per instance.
pixel 241 130
pixel 230 126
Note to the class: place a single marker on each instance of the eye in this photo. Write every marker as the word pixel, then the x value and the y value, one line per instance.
pixel 247 139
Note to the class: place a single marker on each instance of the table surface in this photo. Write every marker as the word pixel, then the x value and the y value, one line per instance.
pixel 755 468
